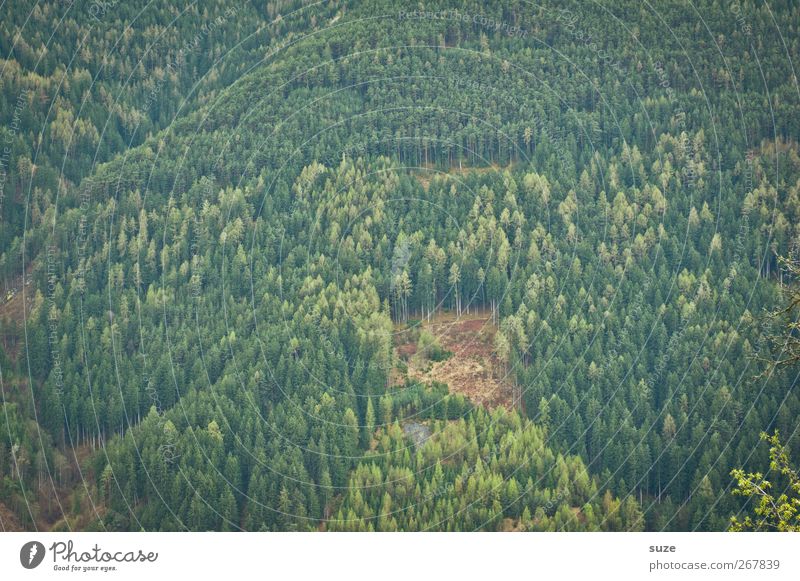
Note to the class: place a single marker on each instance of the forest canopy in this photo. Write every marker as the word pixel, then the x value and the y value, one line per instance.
pixel 390 266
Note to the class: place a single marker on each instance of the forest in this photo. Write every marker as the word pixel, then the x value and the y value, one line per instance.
pixel 391 266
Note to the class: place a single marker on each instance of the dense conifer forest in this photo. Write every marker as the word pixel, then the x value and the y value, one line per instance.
pixel 394 266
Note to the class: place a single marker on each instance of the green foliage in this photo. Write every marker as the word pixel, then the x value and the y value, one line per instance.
pixel 428 346
pixel 773 512
pixel 483 472
pixel 223 227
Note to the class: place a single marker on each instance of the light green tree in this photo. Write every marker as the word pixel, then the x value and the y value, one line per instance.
pixel 771 513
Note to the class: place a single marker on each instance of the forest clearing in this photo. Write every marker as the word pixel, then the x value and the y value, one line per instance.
pixel 470 368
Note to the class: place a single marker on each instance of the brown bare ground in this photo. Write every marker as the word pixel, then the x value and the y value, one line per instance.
pixel 8 520
pixel 16 310
pixel 473 370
